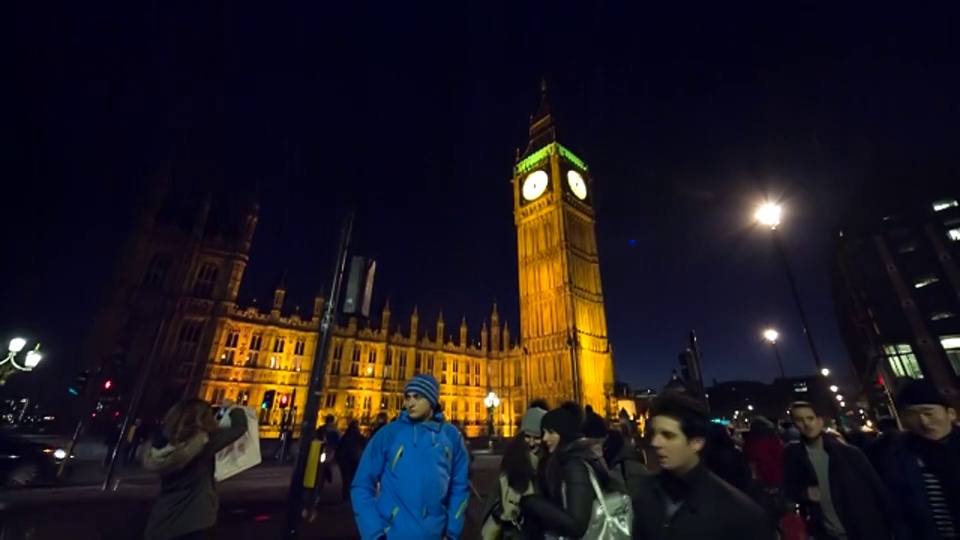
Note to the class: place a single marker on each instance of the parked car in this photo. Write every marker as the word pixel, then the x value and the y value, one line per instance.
pixel 25 462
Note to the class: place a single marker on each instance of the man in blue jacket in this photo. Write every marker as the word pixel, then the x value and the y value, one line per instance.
pixel 421 465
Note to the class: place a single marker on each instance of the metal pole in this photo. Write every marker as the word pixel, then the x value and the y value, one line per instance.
pixel 132 406
pixel 834 407
pixel 70 447
pixel 312 408
pixel 796 298
pixel 776 352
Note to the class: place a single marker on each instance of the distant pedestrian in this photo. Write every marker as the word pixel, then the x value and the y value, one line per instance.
pixel 182 453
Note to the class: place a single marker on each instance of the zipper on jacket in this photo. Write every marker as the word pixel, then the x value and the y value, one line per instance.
pixel 396 457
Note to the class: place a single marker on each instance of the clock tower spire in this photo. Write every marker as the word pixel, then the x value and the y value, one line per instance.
pixel 542 129
pixel 563 325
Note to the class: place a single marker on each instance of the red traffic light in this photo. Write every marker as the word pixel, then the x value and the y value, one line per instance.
pixel 880 380
pixel 284 400
pixel 107 385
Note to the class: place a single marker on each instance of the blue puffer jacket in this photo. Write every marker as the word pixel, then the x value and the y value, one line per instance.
pixel 422 469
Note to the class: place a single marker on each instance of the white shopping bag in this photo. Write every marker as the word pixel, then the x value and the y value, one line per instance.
pixel 242 454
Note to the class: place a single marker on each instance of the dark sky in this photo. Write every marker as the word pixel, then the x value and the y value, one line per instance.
pixel 687 116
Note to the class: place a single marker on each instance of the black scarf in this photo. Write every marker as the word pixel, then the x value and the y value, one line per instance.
pixel 942 459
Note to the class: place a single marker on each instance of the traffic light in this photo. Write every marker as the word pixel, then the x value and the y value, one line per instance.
pixel 80 384
pixel 880 398
pixel 284 401
pixel 268 398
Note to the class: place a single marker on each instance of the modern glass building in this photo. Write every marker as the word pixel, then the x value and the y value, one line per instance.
pixel 895 274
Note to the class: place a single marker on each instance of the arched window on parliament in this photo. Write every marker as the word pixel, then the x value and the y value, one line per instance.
pixel 206 280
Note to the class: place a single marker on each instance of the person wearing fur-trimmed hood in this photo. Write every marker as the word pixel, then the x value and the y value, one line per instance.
pixel 182 453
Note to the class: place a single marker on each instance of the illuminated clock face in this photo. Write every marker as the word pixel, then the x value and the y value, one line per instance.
pixel 577 184
pixel 534 185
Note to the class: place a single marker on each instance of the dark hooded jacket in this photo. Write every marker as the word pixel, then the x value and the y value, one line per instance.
pixel 624 461
pixel 565 504
pixel 188 499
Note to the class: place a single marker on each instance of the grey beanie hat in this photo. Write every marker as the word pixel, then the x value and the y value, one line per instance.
pixel 530 424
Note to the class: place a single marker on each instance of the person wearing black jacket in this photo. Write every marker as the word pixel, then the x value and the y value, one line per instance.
pixel 564 504
pixel 839 493
pixel 684 500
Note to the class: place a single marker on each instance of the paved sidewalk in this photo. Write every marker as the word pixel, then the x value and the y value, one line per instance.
pixel 252 506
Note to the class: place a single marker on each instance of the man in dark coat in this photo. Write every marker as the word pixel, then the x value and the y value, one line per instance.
pixel 685 500
pixel 922 468
pixel 837 489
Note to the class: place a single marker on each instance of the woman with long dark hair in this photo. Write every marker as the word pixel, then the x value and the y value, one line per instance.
pixel 182 454
pixel 565 506
pixel 501 518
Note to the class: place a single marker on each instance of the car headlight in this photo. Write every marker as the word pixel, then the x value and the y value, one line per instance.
pixel 60 453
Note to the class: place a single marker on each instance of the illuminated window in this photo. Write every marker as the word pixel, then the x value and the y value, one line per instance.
pixel 954 234
pixel 923 281
pixel 299 347
pixel 902 361
pixel 944 204
pixel 951 345
pixel 942 315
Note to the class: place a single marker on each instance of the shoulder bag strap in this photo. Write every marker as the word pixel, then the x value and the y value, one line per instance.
pixel 596 489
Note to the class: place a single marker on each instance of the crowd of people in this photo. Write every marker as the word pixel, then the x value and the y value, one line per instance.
pixel 569 474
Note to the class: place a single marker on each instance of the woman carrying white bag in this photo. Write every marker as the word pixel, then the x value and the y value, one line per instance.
pixel 183 454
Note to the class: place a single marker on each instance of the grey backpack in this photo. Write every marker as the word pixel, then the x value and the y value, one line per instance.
pixel 612 517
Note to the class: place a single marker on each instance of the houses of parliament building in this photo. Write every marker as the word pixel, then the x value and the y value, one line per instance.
pixel 172 315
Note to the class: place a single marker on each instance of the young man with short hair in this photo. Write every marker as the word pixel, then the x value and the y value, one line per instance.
pixel 834 483
pixel 685 500
pixel 421 465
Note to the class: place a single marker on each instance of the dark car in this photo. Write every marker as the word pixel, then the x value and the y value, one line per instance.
pixel 24 462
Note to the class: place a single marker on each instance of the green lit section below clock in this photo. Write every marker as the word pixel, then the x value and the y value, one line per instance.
pixel 534 159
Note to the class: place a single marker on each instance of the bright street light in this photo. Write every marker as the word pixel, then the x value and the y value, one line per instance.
pixel 17 344
pixel 491 401
pixel 825 372
pixel 839 397
pixel 834 388
pixel 769 215
pixel 33 358
pixel 10 364
pixel 771 335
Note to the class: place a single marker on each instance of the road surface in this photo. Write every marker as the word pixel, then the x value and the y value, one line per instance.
pixel 252 506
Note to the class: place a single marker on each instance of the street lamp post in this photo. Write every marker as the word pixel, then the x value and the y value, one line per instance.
pixel 771 336
pixel 491 402
pixel 10 364
pixel 769 215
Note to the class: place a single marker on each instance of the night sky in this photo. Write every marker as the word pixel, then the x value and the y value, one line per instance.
pixel 687 117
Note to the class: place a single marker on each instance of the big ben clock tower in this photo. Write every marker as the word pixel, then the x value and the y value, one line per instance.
pixel 563 326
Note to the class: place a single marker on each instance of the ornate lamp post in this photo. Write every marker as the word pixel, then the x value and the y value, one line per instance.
pixel 491 402
pixel 10 365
